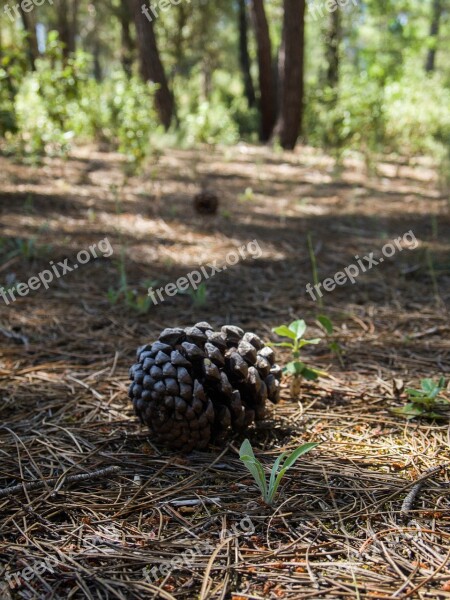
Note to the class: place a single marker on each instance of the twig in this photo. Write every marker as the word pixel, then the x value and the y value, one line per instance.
pixel 414 492
pixel 195 502
pixel 31 485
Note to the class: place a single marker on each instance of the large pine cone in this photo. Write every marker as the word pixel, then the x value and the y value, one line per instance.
pixel 193 384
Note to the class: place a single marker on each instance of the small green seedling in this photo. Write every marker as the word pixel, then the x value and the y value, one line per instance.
pixel 423 402
pixel 281 465
pixel 247 196
pixel 327 325
pixel 199 296
pixel 128 296
pixel 297 368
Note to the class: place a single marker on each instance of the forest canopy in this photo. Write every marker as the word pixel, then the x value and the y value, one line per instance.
pixel 339 74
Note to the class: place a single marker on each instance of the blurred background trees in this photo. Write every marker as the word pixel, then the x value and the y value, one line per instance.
pixel 369 76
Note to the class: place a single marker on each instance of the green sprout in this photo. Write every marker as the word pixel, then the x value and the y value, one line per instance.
pixel 423 402
pixel 327 325
pixel 125 294
pixel 296 368
pixel 284 462
pixel 199 295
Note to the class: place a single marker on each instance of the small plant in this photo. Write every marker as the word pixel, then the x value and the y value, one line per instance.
pixel 327 325
pixel 199 296
pixel 423 402
pixel 130 297
pixel 25 248
pixel 247 196
pixel 281 465
pixel 323 320
pixel 296 368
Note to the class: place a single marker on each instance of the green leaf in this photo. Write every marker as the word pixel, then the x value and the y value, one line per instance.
pixel 411 410
pixel 284 345
pixel 298 328
pixel 306 342
pixel 289 462
pixel 284 331
pixel 274 471
pixel 310 374
pixel 254 466
pixel 428 386
pixel 326 323
pixel 246 449
pixel 295 367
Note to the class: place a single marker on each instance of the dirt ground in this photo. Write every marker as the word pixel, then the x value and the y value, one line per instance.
pixel 337 529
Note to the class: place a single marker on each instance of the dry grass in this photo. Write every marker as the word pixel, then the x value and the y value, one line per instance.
pixel 337 530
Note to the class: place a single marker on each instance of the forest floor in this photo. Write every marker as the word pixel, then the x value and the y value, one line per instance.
pixel 337 529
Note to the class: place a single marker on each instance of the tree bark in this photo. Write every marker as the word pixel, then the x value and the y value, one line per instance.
pixel 151 67
pixel 127 46
pixel 31 41
pixel 244 56
pixel 267 88
pixel 67 15
pixel 291 74
pixel 333 42
pixel 434 32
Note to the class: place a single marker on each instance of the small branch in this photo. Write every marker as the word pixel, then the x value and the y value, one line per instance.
pixel 409 500
pixel 195 502
pixel 31 485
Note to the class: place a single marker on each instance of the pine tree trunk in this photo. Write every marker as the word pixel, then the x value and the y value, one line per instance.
pixel 67 13
pixel 266 76
pixel 291 74
pixel 31 39
pixel 434 32
pixel 244 55
pixel 151 67
pixel 333 42
pixel 127 46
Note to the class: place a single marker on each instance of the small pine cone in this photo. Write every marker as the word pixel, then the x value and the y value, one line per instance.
pixel 192 385
pixel 206 203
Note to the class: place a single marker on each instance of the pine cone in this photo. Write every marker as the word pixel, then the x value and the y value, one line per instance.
pixel 194 384
pixel 206 203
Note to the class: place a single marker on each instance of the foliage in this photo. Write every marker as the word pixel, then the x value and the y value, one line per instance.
pixel 284 462
pixel 127 295
pixel 424 402
pixel 120 112
pixel 12 71
pixel 27 248
pixel 295 333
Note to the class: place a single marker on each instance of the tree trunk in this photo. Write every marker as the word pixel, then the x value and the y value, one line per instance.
pixel 291 73
pixel 434 32
pixel 333 42
pixel 244 55
pixel 127 46
pixel 31 41
pixel 267 89
pixel 151 67
pixel 98 75
pixel 67 13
